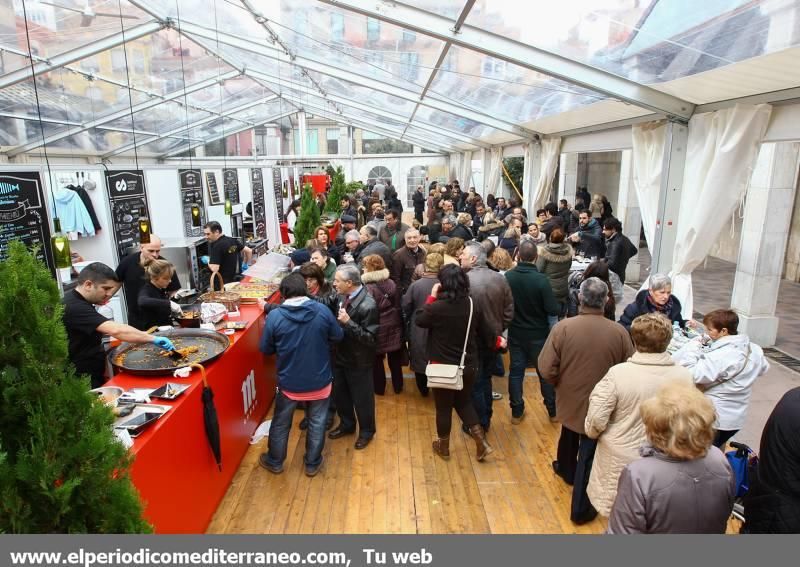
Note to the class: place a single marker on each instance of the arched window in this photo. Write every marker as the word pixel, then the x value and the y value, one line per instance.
pixel 416 176
pixel 379 173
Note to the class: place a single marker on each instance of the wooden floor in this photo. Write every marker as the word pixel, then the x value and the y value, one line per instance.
pixel 397 484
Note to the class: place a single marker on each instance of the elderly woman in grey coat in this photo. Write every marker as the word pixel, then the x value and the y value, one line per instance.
pixel 682 484
pixel 414 299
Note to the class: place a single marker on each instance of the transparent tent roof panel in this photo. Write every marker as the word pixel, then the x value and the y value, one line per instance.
pixel 346 39
pixel 650 41
pixel 66 96
pixel 162 118
pixel 502 89
pixel 452 122
pixel 55 30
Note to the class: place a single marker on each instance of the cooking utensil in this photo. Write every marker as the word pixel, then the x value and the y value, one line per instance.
pixel 145 359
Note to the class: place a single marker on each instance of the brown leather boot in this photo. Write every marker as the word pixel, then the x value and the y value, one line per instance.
pixel 441 447
pixel 482 447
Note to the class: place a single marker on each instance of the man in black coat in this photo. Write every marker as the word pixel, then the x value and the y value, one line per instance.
pixel 619 248
pixel 589 238
pixel 418 198
pixel 353 388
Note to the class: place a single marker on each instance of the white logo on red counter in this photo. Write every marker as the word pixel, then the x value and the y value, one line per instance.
pixel 249 394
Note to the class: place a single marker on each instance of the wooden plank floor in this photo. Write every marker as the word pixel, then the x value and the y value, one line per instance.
pixel 397 484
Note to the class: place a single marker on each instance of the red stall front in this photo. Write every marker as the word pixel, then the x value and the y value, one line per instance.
pixel 174 468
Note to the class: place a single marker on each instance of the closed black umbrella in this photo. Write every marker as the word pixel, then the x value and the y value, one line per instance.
pixel 210 419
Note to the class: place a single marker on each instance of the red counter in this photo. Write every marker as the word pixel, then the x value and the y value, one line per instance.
pixel 174 468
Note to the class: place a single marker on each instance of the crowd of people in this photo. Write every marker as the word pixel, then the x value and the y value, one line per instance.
pixel 642 430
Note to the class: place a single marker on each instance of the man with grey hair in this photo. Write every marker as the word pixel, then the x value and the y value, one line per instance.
pixel 493 300
pixel 578 353
pixel 353 389
pixel 371 245
pixel 352 242
pixel 406 260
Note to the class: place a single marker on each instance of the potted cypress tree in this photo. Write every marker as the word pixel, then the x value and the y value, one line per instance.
pixel 61 468
pixel 337 193
pixel 309 218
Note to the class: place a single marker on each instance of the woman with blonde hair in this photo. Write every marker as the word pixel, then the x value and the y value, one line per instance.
pixel 452 250
pixel 613 417
pixel 682 484
pixel 502 260
pixel 155 306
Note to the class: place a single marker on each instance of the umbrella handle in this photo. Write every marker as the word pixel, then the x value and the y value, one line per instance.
pixel 202 372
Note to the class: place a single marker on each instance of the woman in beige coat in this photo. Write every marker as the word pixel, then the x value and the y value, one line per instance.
pixel 613 418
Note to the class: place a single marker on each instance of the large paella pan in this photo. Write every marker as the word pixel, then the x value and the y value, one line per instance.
pixel 199 346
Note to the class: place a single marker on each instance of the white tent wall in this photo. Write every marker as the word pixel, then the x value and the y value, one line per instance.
pixel 271 208
pixel 164 199
pixel 245 187
pixel 398 166
pixel 720 156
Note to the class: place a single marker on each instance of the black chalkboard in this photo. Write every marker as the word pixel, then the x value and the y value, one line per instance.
pixel 277 188
pixel 230 179
pixel 259 209
pixel 213 191
pixel 191 183
pixel 23 215
pixel 128 200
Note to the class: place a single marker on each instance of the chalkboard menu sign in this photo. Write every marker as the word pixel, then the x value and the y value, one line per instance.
pixel 213 191
pixel 277 188
pixel 23 216
pixel 191 182
pixel 230 178
pixel 126 195
pixel 259 210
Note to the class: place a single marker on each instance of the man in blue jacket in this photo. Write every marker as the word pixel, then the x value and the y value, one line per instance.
pixel 299 332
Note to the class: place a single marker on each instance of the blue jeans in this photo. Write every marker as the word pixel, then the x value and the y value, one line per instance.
pixel 525 354
pixel 316 412
pixel 482 389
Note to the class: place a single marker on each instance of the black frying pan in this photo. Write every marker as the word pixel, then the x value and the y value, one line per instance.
pixel 147 360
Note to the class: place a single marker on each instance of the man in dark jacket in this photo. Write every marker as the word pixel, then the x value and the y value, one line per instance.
pixel 406 260
pixel 569 216
pixel 299 332
pixel 534 302
pixel 578 353
pixel 392 233
pixel 492 297
pixel 589 237
pixel 418 198
pixel 371 245
pixel 619 248
pixel 353 387
pixel 553 219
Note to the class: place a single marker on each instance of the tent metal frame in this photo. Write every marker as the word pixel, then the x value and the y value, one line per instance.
pixel 341 108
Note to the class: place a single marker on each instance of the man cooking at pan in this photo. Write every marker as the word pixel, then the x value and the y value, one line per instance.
pixel 223 252
pixel 97 283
